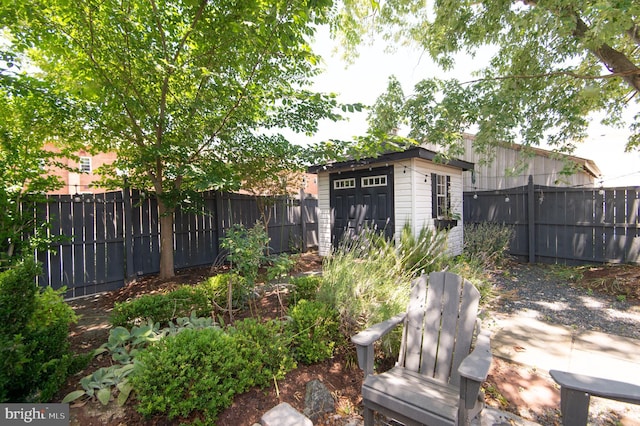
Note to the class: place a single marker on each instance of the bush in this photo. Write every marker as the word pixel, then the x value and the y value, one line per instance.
pixel 161 308
pixel 367 279
pixel 305 287
pixel 216 289
pixel 280 265
pixel 486 242
pixel 270 343
pixel 316 329
pixel 202 370
pixel 246 249
pixel 35 350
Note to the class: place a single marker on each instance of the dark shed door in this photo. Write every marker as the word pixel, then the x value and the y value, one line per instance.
pixel 361 198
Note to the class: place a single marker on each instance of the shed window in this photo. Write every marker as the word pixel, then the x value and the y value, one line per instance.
pixel 371 181
pixel 440 195
pixel 85 164
pixel 344 183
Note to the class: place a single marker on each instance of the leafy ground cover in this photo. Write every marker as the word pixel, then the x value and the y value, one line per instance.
pixel 339 373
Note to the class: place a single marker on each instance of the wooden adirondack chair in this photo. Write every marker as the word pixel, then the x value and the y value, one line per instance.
pixel 576 390
pixel 436 380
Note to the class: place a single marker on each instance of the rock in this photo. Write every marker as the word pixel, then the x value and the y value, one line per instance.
pixel 317 400
pixel 284 414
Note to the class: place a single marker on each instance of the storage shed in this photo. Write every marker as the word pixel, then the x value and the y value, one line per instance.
pixel 388 191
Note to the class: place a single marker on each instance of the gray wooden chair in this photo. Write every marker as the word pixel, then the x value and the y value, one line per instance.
pixel 576 391
pixel 436 380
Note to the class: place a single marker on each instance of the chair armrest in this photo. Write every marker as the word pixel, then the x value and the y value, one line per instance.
pixel 365 339
pixel 375 332
pixel 603 388
pixel 476 366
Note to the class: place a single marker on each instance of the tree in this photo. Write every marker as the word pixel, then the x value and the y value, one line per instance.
pixel 178 88
pixel 553 64
pixel 29 110
pixel 271 170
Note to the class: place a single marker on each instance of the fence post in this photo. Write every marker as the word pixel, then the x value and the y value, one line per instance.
pixel 303 220
pixel 219 212
pixel 531 220
pixel 128 232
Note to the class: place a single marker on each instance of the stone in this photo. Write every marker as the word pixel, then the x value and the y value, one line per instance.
pixel 317 400
pixel 284 414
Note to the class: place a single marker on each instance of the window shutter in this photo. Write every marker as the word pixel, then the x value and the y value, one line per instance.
pixel 434 196
pixel 448 194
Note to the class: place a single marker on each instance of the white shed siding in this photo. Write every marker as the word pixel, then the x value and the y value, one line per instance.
pixel 412 198
pixel 403 194
pixel 324 215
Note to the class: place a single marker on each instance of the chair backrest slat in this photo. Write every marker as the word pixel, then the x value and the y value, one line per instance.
pixel 413 331
pixel 466 328
pixel 433 317
pixel 448 323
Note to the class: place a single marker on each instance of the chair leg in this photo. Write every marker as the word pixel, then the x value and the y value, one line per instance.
pixel 368 416
pixel 574 406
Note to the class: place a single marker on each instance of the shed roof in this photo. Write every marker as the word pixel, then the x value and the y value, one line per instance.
pixel 413 152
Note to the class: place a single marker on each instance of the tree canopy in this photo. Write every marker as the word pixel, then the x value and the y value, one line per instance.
pixel 32 115
pixel 554 63
pixel 178 88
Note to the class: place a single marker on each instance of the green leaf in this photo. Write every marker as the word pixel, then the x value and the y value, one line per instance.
pixel 104 395
pixel 125 389
pixel 72 396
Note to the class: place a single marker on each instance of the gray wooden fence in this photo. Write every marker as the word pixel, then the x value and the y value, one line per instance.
pixel 564 225
pixel 111 238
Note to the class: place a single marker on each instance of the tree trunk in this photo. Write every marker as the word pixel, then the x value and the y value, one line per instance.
pixel 166 241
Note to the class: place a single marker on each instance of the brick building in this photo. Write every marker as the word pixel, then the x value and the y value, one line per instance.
pixel 82 181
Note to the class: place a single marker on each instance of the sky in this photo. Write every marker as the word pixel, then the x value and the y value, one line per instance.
pixel 365 79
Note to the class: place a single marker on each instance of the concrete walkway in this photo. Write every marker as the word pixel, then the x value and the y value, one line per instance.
pixel 526 340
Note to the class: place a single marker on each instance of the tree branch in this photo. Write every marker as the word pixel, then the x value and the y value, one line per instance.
pixel 615 61
pixel 634 33
pixel 557 74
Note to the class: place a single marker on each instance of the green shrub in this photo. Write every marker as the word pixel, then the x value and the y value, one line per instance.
pixel 305 287
pixel 161 308
pixel 279 266
pixel 202 370
pixel 487 242
pixel 246 249
pixel 316 329
pixel 270 343
pixel 216 289
pixel 18 296
pixel 35 354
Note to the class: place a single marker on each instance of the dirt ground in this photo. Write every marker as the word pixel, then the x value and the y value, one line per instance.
pixel 509 387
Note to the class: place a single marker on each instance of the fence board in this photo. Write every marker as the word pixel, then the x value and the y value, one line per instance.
pixel 571 225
